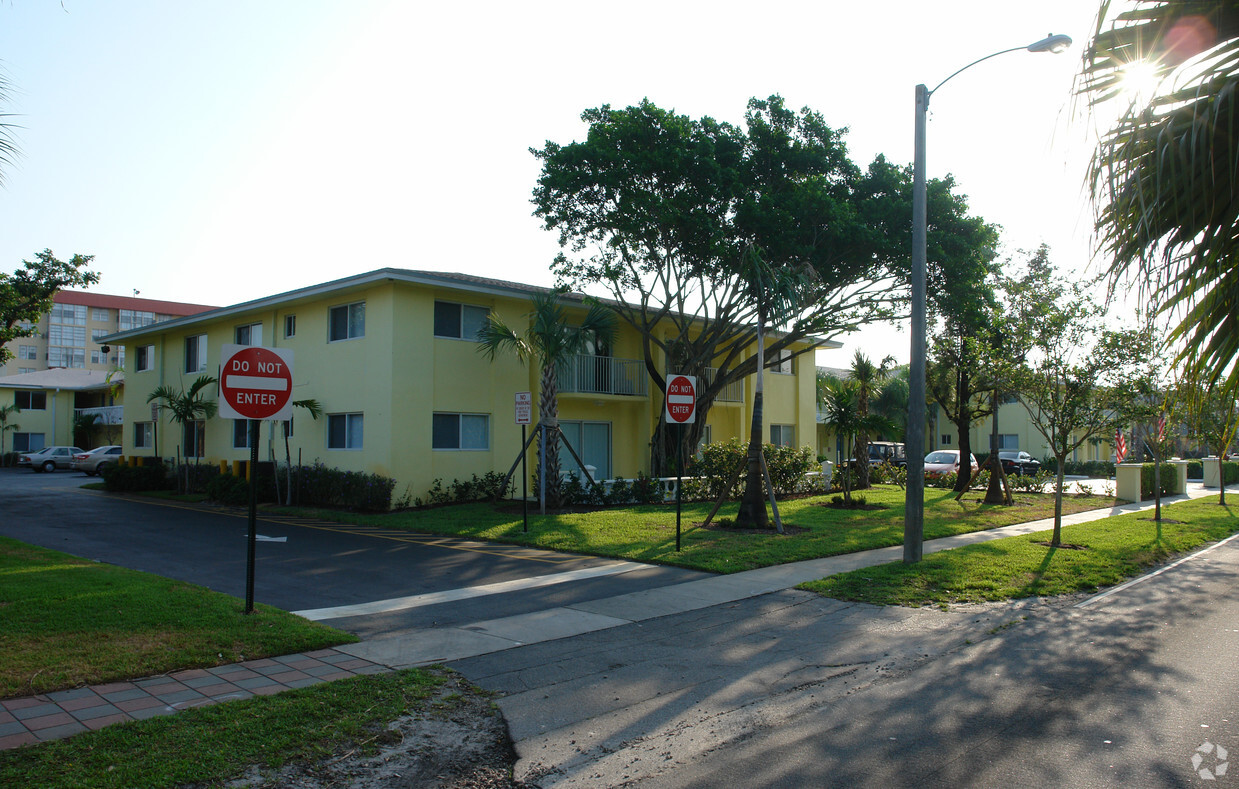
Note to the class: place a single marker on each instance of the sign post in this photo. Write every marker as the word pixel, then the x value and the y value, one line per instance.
pixel 524 416
pixel 681 408
pixel 255 384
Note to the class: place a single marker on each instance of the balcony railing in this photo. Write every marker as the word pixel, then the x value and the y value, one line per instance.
pixel 603 375
pixel 732 392
pixel 108 414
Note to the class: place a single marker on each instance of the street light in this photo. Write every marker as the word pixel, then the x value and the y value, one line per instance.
pixel 914 511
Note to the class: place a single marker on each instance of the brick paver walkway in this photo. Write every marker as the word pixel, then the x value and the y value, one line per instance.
pixel 51 716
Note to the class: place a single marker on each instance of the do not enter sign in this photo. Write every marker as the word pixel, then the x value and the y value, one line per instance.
pixel 682 399
pixel 256 383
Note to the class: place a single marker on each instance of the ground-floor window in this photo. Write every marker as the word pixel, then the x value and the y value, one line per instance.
pixel 1009 441
pixel 783 435
pixel 142 433
pixel 27 442
pixel 460 431
pixel 590 440
pixel 194 439
pixel 240 434
pixel 345 431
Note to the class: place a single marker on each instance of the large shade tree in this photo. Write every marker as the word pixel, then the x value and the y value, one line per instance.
pixel 551 339
pixel 666 214
pixel 1164 176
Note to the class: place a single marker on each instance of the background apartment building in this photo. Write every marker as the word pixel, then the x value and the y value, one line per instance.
pixel 66 337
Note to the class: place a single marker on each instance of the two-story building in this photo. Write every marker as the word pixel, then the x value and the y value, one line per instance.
pixel 391 358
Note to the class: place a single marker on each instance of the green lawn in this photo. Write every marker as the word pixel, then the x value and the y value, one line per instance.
pixel 68 621
pixel 1094 555
pixel 647 533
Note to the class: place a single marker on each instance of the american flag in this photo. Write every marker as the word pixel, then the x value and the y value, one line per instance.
pixel 1120 446
pixel 1161 428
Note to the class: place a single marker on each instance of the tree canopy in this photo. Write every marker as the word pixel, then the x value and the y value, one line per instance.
pixel 1164 175
pixel 667 213
pixel 27 294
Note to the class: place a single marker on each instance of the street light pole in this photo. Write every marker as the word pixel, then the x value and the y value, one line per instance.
pixel 914 510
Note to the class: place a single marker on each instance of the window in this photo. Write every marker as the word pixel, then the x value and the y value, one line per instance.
pixel 97 357
pixel 195 353
pixel 145 359
pixel 69 314
pixel 240 434
pixel 21 370
pixel 31 401
pixel 250 334
pixel 67 335
pixel 194 444
pixel 290 325
pixel 590 440
pixel 783 363
pixel 345 431
pixel 783 435
pixel 142 432
pixel 95 334
pixel 28 442
pixel 59 356
pixel 348 321
pixel 119 358
pixel 946 439
pixel 460 431
pixel 460 321
pixel 27 352
pixel 134 319
pixel 1008 441
pixel 99 314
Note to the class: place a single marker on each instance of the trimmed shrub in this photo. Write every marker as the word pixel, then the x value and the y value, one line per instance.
pixel 323 486
pixel 1170 480
pixel 131 479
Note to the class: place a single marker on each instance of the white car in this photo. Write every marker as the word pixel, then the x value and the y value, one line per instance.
pixel 48 458
pixel 94 461
pixel 945 461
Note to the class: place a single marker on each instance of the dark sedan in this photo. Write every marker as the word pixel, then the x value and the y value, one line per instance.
pixel 1020 463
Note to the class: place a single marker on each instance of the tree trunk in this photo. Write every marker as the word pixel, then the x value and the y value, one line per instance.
pixel 1058 503
pixel 994 493
pixel 753 503
pixel 548 406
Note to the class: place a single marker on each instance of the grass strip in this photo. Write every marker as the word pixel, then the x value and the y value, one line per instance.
pixel 647 533
pixel 1094 555
pixel 68 622
pixel 207 746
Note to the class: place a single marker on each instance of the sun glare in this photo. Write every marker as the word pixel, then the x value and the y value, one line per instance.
pixel 1140 81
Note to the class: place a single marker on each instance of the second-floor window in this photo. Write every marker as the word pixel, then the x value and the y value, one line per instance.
pixel 28 352
pixel 145 359
pixel 250 334
pixel 31 401
pixel 459 321
pixel 195 353
pixel 347 322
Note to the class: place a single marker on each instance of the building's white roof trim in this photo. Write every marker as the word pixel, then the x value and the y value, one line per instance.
pixel 63 378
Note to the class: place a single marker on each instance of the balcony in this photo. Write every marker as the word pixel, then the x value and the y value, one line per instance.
pixel 108 414
pixel 731 393
pixel 603 375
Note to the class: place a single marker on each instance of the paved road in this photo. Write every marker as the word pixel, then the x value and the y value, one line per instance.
pixel 364 580
pixel 790 690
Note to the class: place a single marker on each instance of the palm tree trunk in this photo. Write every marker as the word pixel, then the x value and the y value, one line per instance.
pixel 752 512
pixel 548 406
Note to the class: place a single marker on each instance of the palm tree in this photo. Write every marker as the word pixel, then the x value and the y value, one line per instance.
pixel 5 411
pixel 187 406
pixel 1163 176
pixel 870 380
pixel 315 410
pixel 839 402
pixel 551 340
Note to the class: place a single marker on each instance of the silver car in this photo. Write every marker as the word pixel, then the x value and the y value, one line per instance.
pixel 96 460
pixel 48 458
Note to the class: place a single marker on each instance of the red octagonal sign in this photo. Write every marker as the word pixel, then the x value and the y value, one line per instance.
pixel 256 383
pixel 682 399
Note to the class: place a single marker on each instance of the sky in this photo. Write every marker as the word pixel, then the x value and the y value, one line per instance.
pixel 219 152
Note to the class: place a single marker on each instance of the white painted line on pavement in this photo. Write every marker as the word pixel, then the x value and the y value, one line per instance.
pixel 452 595
pixel 1154 574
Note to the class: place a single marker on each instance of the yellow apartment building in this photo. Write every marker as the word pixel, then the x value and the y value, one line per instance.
pixel 390 358
pixel 47 402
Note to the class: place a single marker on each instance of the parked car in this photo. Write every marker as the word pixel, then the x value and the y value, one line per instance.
pixel 887 452
pixel 48 458
pixel 945 461
pixel 1019 463
pixel 94 461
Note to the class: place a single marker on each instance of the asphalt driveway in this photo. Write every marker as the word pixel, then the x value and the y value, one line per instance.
pixel 365 580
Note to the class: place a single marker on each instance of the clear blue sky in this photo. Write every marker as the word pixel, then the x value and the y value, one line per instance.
pixel 218 152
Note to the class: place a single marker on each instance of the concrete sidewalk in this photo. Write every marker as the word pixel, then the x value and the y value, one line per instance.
pixel 61 714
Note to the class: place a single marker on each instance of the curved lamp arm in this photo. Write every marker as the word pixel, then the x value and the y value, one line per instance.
pixel 1051 43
